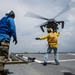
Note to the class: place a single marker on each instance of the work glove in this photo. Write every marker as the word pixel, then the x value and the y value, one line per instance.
pixel 15 40
pixel 37 38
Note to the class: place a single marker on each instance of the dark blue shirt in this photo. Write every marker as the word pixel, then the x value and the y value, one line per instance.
pixel 7 28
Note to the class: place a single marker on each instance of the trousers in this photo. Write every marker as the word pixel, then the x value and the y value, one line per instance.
pixel 46 56
pixel 4 51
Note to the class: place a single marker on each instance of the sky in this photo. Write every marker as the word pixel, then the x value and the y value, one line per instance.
pixel 26 27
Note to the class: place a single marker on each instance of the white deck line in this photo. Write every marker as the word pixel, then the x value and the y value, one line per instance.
pixel 71 53
pixel 38 61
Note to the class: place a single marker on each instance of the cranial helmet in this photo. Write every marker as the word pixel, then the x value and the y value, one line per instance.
pixel 49 30
pixel 10 13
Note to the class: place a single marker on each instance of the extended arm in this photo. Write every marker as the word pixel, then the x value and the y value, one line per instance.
pixel 42 38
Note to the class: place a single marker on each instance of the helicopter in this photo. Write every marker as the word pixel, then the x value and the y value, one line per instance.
pixel 51 23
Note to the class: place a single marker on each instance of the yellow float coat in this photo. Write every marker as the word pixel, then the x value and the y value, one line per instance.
pixel 52 39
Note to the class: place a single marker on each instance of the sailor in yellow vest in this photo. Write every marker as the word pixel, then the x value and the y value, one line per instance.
pixel 52 38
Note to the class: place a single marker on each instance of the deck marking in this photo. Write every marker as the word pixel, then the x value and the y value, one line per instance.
pixel 71 53
pixel 65 71
pixel 68 71
pixel 39 61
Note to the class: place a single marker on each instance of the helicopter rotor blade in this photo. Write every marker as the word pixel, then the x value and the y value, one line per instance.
pixel 30 14
pixel 68 7
pixel 63 11
pixel 44 24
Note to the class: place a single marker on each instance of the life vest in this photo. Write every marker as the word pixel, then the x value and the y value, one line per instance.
pixel 53 39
